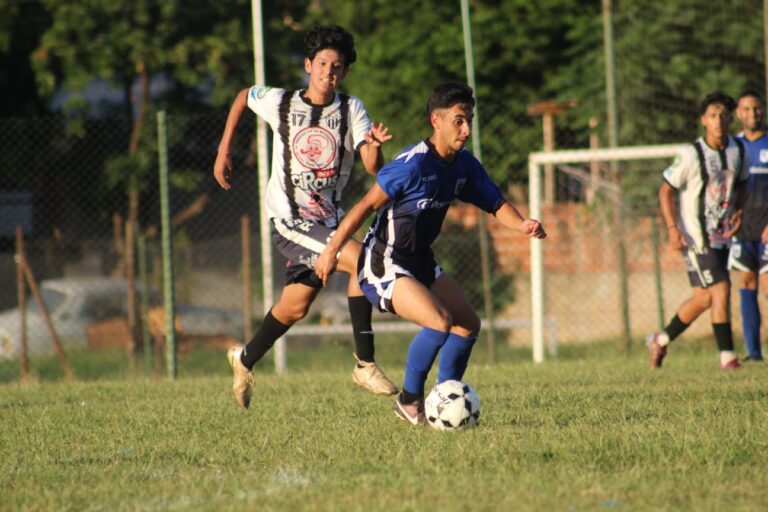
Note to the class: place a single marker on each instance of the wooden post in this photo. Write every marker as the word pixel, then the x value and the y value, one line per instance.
pixel 46 317
pixel 245 240
pixel 117 244
pixel 548 110
pixel 21 295
pixel 594 167
pixel 132 301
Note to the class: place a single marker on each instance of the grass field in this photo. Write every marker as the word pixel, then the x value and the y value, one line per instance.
pixel 592 430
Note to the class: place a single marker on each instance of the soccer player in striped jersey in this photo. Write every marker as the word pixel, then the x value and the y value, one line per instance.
pixel 317 132
pixel 709 178
pixel 397 268
pixel 748 249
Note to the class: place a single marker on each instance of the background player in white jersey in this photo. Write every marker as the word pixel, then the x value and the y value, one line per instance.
pixel 397 269
pixel 317 132
pixel 748 249
pixel 708 178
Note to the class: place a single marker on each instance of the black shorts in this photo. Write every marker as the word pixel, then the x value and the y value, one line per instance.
pixel 301 241
pixel 708 268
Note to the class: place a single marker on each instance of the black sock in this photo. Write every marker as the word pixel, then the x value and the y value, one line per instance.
pixel 675 328
pixel 723 336
pixel 360 315
pixel 271 329
pixel 406 397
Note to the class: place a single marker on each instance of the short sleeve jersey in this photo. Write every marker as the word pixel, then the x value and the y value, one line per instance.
pixel 755 216
pixel 421 187
pixel 705 179
pixel 313 151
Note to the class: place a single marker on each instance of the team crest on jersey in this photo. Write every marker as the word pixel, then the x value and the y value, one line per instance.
pixel 459 185
pixel 314 147
pixel 333 122
pixel 763 156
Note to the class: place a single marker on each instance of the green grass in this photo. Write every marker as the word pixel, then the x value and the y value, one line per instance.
pixel 593 430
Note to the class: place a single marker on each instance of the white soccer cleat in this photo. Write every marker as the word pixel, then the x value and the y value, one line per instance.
pixel 242 380
pixel 370 377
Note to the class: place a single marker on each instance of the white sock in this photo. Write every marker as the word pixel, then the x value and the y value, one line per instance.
pixel 662 339
pixel 726 356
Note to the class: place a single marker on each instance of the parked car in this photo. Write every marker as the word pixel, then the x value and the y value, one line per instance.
pixel 76 303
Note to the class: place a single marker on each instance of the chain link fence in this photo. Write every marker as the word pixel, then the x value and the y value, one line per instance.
pixel 67 186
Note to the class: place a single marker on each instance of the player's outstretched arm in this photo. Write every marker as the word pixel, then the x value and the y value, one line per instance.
pixel 370 152
pixel 511 217
pixel 222 168
pixel 326 262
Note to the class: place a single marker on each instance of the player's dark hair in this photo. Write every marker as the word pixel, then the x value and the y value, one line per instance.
pixel 751 93
pixel 330 37
pixel 449 94
pixel 719 98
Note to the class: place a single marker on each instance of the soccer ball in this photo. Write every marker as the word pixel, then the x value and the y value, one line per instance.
pixel 452 405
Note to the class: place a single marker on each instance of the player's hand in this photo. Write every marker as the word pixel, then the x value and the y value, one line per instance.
pixel 325 265
pixel 533 228
pixel 378 135
pixel 222 169
pixel 764 236
pixel 677 241
pixel 734 223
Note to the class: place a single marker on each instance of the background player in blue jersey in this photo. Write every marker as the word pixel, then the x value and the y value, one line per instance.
pixel 708 177
pixel 748 250
pixel 397 268
pixel 317 133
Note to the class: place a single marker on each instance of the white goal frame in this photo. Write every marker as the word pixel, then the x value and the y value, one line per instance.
pixel 535 163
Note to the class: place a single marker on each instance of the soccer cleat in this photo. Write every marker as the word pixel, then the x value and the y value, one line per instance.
pixel 733 364
pixel 656 352
pixel 369 376
pixel 243 378
pixel 412 413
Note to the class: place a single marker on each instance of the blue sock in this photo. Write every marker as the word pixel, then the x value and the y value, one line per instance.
pixel 454 357
pixel 750 317
pixel 421 354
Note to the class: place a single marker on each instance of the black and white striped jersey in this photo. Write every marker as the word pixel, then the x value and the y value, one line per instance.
pixel 313 151
pixel 706 179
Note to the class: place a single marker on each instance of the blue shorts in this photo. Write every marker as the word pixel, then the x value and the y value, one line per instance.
pixel 378 289
pixel 748 256
pixel 708 268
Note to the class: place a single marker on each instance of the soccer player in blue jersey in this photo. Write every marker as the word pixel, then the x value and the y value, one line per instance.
pixel 748 249
pixel 708 177
pixel 397 268
pixel 317 133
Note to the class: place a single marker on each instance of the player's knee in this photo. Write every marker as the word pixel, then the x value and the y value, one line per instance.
pixel 443 321
pixel 289 314
pixel 703 300
pixel 469 325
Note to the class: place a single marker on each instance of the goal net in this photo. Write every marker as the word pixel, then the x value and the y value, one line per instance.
pixel 602 270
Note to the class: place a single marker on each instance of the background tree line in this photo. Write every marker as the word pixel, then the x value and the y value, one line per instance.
pixel 193 57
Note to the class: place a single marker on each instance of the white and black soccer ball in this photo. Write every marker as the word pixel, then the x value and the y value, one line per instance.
pixel 452 405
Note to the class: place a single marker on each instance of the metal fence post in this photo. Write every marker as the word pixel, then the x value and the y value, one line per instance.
pixel 167 243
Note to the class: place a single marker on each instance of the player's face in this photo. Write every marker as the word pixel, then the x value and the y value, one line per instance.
pixel 750 113
pixel 453 126
pixel 716 120
pixel 326 71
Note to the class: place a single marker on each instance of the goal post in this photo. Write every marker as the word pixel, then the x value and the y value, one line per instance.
pixel 536 161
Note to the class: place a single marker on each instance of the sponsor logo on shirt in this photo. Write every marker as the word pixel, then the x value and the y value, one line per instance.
pixel 425 204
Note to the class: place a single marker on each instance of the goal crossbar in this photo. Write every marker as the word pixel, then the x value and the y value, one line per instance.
pixel 535 163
